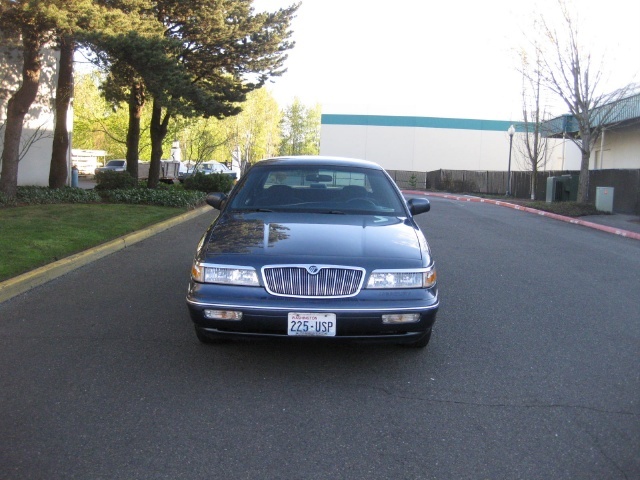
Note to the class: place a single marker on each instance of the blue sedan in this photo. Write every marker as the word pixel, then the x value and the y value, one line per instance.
pixel 314 248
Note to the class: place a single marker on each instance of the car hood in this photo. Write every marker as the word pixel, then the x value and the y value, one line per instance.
pixel 295 237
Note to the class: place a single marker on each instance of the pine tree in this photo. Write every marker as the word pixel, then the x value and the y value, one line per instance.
pixel 210 56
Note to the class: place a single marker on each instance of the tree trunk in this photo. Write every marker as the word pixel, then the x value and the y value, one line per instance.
pixel 136 102
pixel 58 172
pixel 534 181
pixel 17 108
pixel 583 179
pixel 158 128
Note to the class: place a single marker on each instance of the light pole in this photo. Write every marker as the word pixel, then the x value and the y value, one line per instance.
pixel 510 131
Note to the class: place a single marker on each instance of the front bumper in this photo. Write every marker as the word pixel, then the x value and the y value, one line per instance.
pixel 357 318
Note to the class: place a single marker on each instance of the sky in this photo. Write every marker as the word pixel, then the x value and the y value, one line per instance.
pixel 452 59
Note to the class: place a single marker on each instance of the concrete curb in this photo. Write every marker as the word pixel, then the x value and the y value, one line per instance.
pixel 575 221
pixel 25 282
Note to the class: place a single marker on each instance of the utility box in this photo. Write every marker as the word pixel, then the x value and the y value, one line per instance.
pixel 571 183
pixel 551 189
pixel 604 199
pixel 562 189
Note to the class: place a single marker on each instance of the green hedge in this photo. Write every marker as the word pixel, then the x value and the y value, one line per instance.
pixel 214 182
pixel 46 195
pixel 173 196
pixel 110 180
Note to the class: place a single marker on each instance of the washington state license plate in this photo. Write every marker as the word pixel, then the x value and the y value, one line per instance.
pixel 312 324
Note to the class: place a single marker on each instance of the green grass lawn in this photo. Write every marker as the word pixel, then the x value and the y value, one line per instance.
pixel 36 235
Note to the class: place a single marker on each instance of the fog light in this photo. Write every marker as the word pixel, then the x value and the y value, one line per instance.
pixel 401 318
pixel 222 315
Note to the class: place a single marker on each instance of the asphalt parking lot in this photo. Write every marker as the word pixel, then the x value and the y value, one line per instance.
pixel 531 372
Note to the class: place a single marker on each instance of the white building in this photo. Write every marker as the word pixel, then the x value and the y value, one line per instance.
pixel 37 132
pixel 428 143
pixel 423 144
pixel 619 145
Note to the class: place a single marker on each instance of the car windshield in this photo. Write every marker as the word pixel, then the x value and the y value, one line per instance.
pixel 331 189
pixel 116 163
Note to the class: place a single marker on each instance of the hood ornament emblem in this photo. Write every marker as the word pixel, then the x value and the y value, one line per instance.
pixel 313 270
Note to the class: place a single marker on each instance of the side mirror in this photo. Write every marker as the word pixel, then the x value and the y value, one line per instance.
pixel 418 206
pixel 216 200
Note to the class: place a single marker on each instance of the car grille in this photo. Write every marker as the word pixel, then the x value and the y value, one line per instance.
pixel 313 281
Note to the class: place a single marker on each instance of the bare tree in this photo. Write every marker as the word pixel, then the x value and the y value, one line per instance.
pixel 532 140
pixel 568 71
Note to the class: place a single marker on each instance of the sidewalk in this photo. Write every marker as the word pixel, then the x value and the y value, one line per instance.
pixel 617 224
pixel 616 220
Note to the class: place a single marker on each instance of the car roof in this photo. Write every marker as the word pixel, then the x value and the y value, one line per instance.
pixel 319 160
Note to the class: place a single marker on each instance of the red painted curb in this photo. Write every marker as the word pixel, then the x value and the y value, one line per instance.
pixel 555 216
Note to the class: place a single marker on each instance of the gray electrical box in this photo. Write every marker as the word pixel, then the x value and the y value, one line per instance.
pixel 551 189
pixel 604 199
pixel 562 189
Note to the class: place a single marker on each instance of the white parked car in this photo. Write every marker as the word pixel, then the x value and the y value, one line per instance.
pixel 113 165
pixel 207 168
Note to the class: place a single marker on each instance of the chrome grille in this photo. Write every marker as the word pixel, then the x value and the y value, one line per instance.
pixel 313 281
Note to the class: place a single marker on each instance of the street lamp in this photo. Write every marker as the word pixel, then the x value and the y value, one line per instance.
pixel 510 131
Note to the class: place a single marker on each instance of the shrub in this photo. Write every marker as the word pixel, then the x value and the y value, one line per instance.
pixel 413 180
pixel 568 209
pixel 45 195
pixel 110 180
pixel 168 196
pixel 215 182
pixel 6 201
pixel 143 183
pixel 162 197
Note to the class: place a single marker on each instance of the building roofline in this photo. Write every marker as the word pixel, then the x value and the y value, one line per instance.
pixel 622 112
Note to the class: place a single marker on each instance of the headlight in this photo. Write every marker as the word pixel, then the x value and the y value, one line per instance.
pixel 419 278
pixel 229 275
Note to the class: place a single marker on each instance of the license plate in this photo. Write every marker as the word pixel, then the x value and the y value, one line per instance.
pixel 312 324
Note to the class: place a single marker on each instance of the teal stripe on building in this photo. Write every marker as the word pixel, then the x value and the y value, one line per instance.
pixel 416 122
